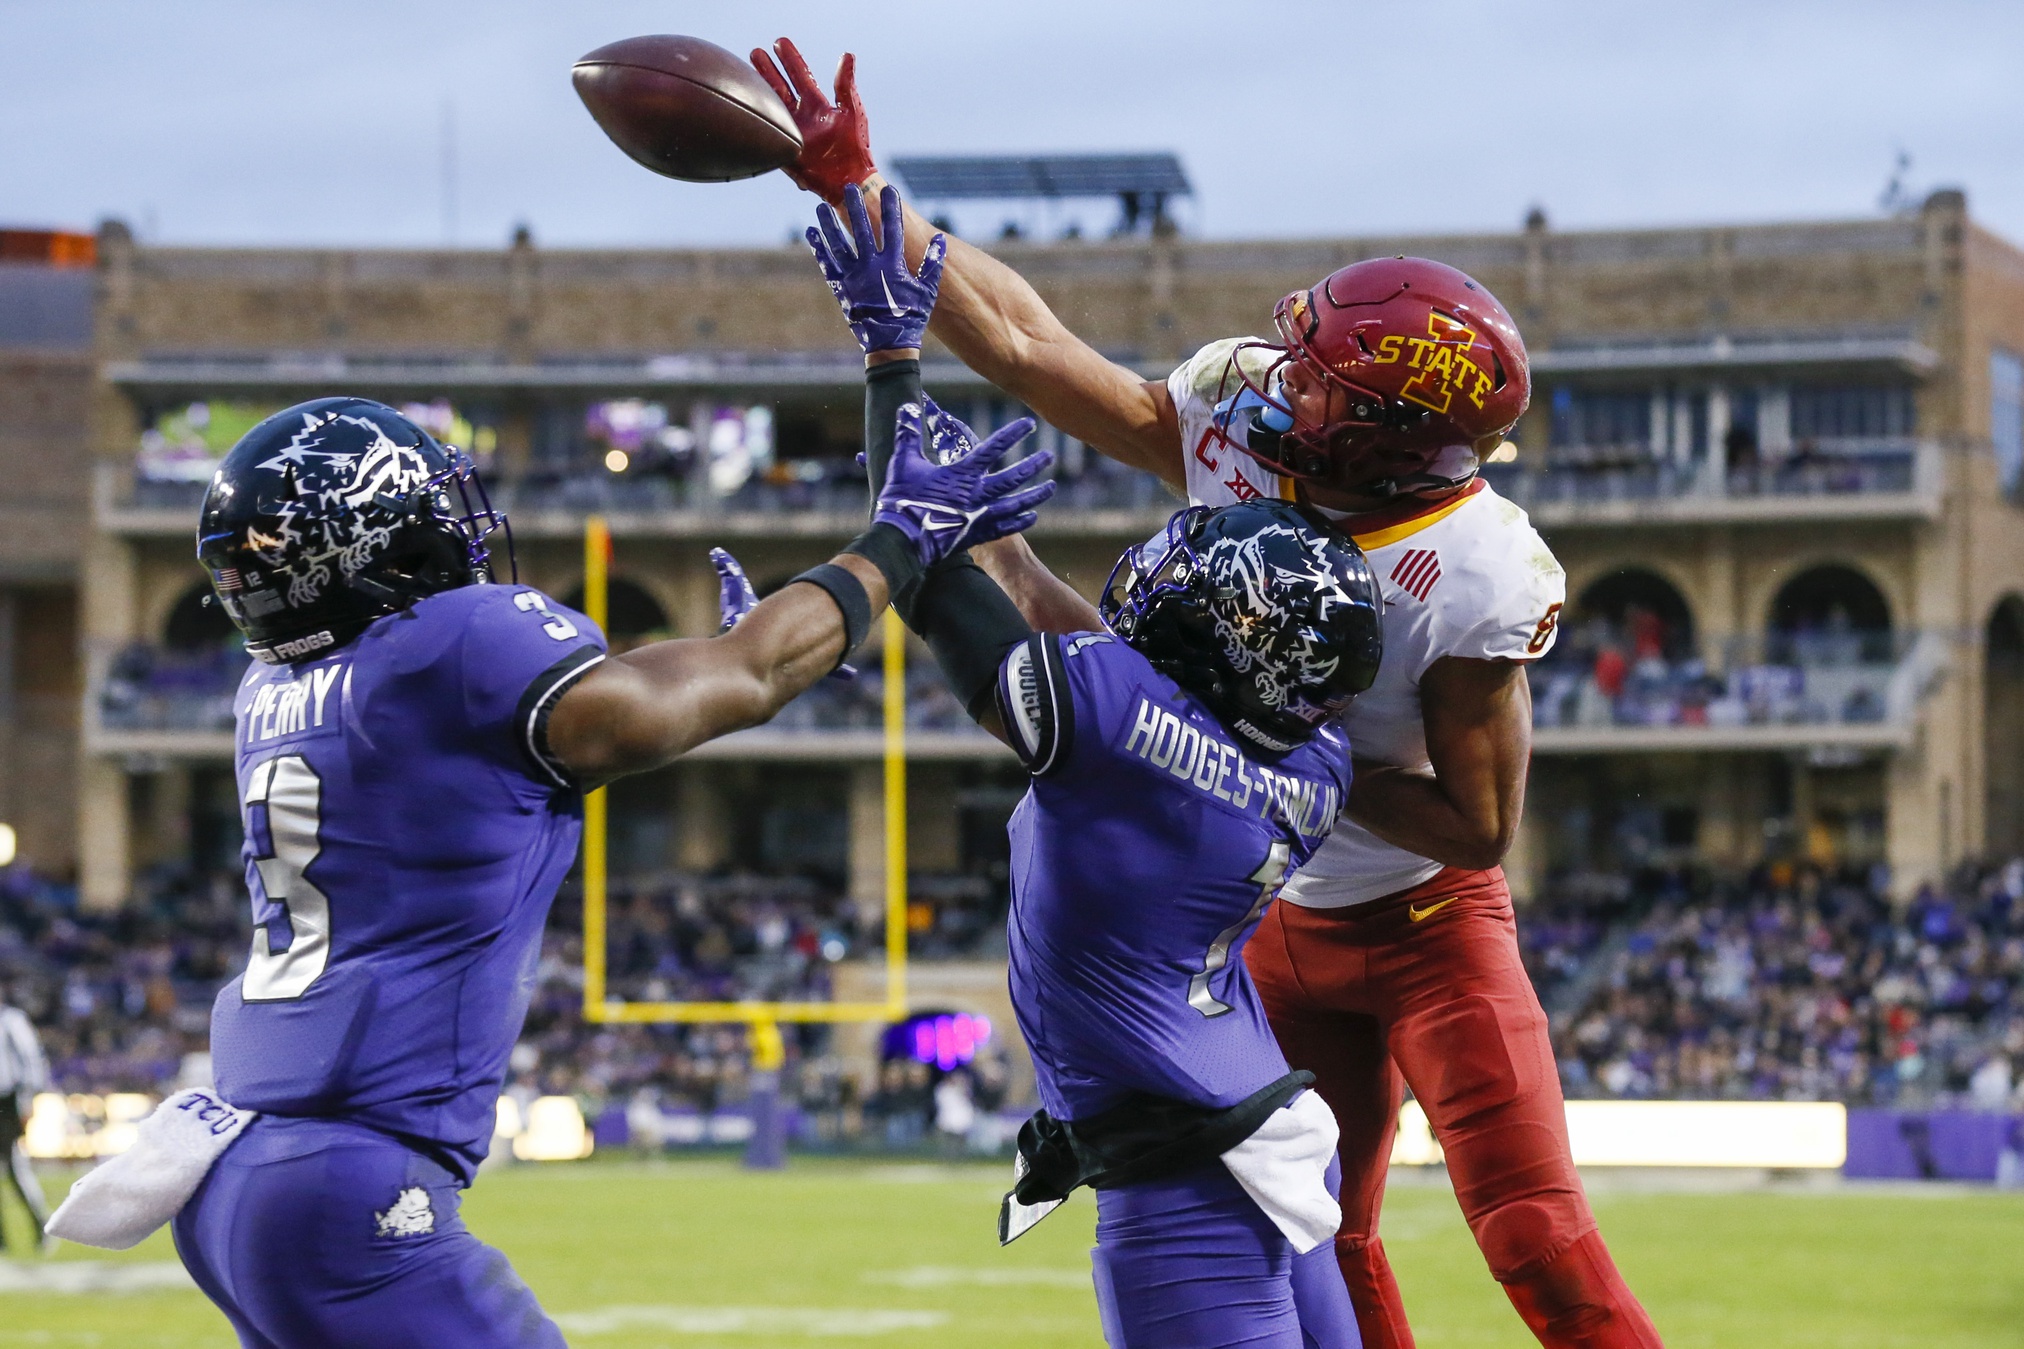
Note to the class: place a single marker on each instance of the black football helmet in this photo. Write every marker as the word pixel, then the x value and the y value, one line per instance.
pixel 1265 613
pixel 334 513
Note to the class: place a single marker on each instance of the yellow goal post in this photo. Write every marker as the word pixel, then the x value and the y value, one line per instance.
pixel 764 1017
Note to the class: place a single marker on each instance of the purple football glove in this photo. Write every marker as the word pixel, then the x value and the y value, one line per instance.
pixel 944 507
pixel 949 438
pixel 736 598
pixel 886 305
pixel 735 595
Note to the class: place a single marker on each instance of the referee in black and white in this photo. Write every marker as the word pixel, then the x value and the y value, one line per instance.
pixel 23 1072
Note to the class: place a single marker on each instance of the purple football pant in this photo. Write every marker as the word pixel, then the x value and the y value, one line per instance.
pixel 1191 1262
pixel 321 1232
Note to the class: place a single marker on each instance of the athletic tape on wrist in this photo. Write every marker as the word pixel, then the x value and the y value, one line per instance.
pixel 847 592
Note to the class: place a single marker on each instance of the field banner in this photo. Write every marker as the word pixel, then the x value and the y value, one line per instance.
pixel 1936 1145
pixel 1768 1135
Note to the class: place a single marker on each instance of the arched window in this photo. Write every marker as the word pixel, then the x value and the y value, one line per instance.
pixel 633 614
pixel 2003 728
pixel 1830 615
pixel 1637 610
pixel 198 622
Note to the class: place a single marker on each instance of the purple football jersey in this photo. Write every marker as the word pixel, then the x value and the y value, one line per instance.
pixel 1142 860
pixel 405 834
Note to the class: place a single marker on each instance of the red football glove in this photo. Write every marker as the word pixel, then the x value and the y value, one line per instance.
pixel 835 140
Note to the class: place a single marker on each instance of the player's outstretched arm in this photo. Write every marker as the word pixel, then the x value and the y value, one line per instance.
pixel 644 709
pixel 1046 601
pixel 888 304
pixel 650 706
pixel 997 324
pixel 1478 716
pixel 967 621
pixel 989 316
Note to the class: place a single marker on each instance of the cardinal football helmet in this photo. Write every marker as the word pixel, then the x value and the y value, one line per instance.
pixel 334 513
pixel 1425 370
pixel 1269 616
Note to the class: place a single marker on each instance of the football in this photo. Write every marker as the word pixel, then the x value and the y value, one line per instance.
pixel 686 108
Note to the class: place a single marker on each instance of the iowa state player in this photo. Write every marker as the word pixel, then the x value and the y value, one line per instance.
pixel 1396 956
pixel 412 745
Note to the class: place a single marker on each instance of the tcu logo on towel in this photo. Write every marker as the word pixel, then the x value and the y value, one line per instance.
pixel 219 1117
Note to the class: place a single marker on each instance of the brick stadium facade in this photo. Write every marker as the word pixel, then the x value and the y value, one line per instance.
pixel 1772 458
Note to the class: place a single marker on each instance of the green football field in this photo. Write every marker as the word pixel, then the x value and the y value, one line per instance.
pixel 699 1254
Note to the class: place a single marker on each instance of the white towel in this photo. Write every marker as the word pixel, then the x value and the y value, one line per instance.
pixel 1284 1168
pixel 122 1202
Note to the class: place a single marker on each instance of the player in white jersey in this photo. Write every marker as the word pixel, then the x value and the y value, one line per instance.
pixel 1395 960
pixel 1469 578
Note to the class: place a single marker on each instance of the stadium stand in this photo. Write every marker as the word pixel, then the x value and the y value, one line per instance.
pixel 1784 983
pixel 1787 984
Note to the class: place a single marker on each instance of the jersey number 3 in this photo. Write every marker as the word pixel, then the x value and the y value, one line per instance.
pixel 1270 872
pixel 291 917
pixel 558 627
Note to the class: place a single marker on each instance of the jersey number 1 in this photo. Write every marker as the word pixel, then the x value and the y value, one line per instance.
pixel 291 917
pixel 1267 877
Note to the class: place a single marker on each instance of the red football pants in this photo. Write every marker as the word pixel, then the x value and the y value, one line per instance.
pixel 1425 987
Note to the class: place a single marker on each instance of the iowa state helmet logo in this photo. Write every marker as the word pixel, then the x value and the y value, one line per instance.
pixel 1442 360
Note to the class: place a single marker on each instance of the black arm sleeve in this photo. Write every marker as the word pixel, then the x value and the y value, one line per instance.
pixel 969 624
pixel 967 621
pixel 887 388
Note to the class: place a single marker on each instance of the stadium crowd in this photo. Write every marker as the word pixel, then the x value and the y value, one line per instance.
pixel 1791 984
pixel 1786 983
pixel 1630 673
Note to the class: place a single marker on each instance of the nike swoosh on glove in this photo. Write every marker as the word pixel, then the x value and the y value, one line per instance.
pixel 886 305
pixel 942 508
pixel 736 598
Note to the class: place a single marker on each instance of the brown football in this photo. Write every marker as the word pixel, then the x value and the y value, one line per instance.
pixel 687 108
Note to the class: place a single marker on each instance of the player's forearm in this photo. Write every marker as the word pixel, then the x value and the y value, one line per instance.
pixel 1049 603
pixel 647 708
pixel 1478 720
pixel 1410 810
pixel 795 637
pixel 997 324
pixel 986 312
pixel 970 626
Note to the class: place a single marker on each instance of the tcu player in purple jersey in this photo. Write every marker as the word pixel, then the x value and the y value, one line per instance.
pixel 1182 764
pixel 412 747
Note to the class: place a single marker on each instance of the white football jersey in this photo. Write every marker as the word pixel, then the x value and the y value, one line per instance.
pixel 1466 577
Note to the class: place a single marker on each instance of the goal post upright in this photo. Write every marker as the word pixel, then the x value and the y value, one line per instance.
pixel 895 669
pixel 597 608
pixel 598 1007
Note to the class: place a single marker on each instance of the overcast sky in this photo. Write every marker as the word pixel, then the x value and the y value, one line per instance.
pixel 282 122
